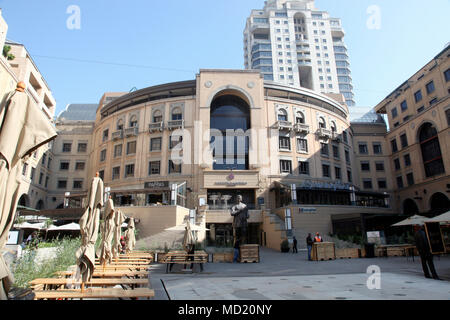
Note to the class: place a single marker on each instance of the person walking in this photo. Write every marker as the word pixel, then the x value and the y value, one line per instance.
pixel 294 246
pixel 309 244
pixel 425 253
pixel 318 238
pixel 237 248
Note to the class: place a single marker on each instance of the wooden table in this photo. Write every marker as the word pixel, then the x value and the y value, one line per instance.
pixel 95 293
pixel 181 257
pixel 54 283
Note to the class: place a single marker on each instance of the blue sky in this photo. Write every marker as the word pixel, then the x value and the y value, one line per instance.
pixel 142 43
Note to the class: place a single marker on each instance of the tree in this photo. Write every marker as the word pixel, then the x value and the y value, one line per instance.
pixel 6 54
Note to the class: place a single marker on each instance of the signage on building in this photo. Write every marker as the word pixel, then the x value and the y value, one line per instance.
pixel 308 210
pixel 157 185
pixel 231 184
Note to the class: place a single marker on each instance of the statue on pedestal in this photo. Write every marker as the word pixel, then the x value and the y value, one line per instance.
pixel 240 213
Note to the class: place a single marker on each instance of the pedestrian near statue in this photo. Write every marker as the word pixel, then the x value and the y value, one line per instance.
pixel 426 256
pixel 237 248
pixel 309 244
pixel 294 246
pixel 318 238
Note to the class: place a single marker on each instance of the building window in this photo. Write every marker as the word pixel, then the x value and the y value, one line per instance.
pixel 394 145
pixel 155 144
pixel 67 147
pixel 322 123
pixel 407 160
pixel 175 141
pixel 64 166
pixel 116 173
pixel 367 183
pixel 430 87
pixel 120 125
pixel 447 75
pixel 303 167
pixel 377 149
pixel 62 184
pixel 80 166
pixel 404 106
pixel 131 147
pixel 82 147
pixel 157 116
pixel 49 163
pixel 347 156
pixel 365 166
pixel 400 182
pixel 324 150
pixel 404 140
pixel 382 184
pixel 431 150
pixel 117 151
pixel 337 173
pixel 133 122
pixel 345 136
pixel 41 178
pixel 434 101
pixel 101 174
pixel 154 168
pixel 33 172
pixel 286 166
pixel 105 135
pixel 349 176
pixel 285 143
pixel 336 152
pixel 300 118
pixel 129 170
pixel 410 179
pixel 394 113
pixel 77 184
pixel 447 113
pixel 418 96
pixel 44 158
pixel 363 148
pixel 46 181
pixel 421 109
pixel 379 166
pixel 397 164
pixel 326 171
pixel 174 168
pixel 302 145
pixel 103 155
pixel 282 115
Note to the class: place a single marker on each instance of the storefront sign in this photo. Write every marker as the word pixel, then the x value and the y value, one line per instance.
pixel 308 210
pixel 157 185
pixel 231 184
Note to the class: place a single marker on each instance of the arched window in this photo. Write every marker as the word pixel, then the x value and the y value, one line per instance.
pixel 322 123
pixel 300 117
pixel 230 112
pixel 333 126
pixel 133 122
pixel 282 115
pixel 177 114
pixel 120 125
pixel 157 116
pixel 431 150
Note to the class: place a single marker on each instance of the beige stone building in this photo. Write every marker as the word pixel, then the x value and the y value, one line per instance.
pixel 418 112
pixel 3 30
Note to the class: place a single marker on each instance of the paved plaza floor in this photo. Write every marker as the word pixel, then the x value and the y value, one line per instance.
pixel 287 276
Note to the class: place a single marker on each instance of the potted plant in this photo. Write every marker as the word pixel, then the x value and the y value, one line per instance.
pixel 285 246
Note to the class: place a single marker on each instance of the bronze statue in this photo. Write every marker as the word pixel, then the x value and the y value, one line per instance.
pixel 240 224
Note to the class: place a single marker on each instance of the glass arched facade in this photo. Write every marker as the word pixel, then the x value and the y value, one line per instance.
pixel 230 115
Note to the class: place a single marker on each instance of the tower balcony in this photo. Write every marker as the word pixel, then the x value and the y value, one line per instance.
pixel 301 128
pixel 157 126
pixel 283 125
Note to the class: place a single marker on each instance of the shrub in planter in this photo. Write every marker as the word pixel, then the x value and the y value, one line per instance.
pixel 285 246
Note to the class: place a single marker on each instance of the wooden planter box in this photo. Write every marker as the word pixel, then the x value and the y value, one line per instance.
pixel 161 257
pixel 226 257
pixel 250 253
pixel 348 253
pixel 323 251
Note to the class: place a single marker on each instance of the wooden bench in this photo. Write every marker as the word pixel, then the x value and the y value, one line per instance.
pixel 181 257
pixel 95 293
pixel 108 274
pixel 57 283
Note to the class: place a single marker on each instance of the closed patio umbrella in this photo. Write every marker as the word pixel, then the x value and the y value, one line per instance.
pixel 119 218
pixel 189 238
pixel 411 221
pixel 23 129
pixel 108 233
pixel 89 226
pixel 130 237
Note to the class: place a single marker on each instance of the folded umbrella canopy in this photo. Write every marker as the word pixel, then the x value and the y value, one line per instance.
pixel 89 226
pixel 23 129
pixel 107 233
pixel 119 218
pixel 130 237
pixel 411 221
pixel 189 238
